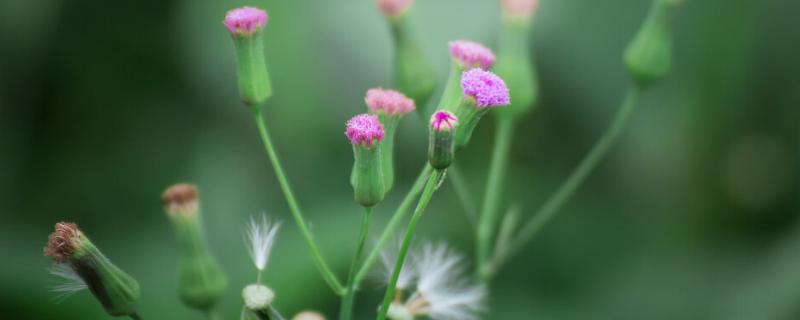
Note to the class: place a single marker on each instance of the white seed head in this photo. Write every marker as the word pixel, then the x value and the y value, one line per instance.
pixel 399 312
pixel 261 236
pixel 308 315
pixel 389 258
pixel 445 286
pixel 257 297
pixel 71 281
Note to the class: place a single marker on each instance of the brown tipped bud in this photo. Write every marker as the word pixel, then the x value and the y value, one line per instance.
pixel 308 315
pixel 180 199
pixel 63 242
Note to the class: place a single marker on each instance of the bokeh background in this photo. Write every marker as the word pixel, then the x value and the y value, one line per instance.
pixel 692 216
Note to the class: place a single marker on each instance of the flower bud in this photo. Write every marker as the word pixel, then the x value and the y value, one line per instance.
pixel 245 25
pixel 308 315
pixel 115 289
pixel 649 55
pixel 481 90
pixel 441 148
pixel 366 133
pixel 465 55
pixel 515 58
pixel 413 73
pixel 390 106
pixel 201 281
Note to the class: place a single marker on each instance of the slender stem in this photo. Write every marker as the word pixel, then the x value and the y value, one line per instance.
pixel 427 193
pixel 323 267
pixel 346 312
pixel 491 199
pixel 416 188
pixel 576 178
pixel 462 193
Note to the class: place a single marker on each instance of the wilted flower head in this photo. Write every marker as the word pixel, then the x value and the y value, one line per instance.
pixel 389 102
pixel 180 199
pixel 443 120
pixel 245 20
pixel 485 87
pixel 364 129
pixel 261 236
pixel 393 7
pixel 63 242
pixel 471 54
pixel 519 8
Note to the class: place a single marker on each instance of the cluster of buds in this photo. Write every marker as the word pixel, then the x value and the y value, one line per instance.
pixel 390 106
pixel 366 132
pixel 245 25
pixel 201 281
pixel 116 291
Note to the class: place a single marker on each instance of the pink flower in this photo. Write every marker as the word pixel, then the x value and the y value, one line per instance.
pixel 393 7
pixel 364 129
pixel 245 20
pixel 443 120
pixel 485 87
pixel 520 8
pixel 471 54
pixel 389 102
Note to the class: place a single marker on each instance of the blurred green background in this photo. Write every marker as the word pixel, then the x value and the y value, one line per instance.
pixel 692 216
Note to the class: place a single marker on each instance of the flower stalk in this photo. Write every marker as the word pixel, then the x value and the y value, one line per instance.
pixel 346 311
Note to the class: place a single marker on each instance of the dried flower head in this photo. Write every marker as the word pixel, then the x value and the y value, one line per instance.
pixel 443 120
pixel 308 315
pixel 388 102
pixel 63 242
pixel 180 199
pixel 393 7
pixel 364 129
pixel 245 20
pixel 471 54
pixel 485 87
pixel 261 236
pixel 519 8
pixel 257 296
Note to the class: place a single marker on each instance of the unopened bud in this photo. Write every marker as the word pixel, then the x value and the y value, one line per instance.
pixel 441 149
pixel 117 291
pixel 366 133
pixel 201 281
pixel 245 25
pixel 649 55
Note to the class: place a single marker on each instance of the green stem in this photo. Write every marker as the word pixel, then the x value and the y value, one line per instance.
pixel 323 267
pixel 463 194
pixel 136 316
pixel 576 178
pixel 427 193
pixel 346 312
pixel 491 199
pixel 393 222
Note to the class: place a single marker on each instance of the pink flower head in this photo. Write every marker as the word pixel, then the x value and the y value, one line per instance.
pixel 364 129
pixel 485 87
pixel 245 20
pixel 443 120
pixel 393 7
pixel 520 8
pixel 471 54
pixel 390 102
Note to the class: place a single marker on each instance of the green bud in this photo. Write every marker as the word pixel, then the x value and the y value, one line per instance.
pixel 649 55
pixel 254 84
pixel 414 75
pixel 201 281
pixel 117 291
pixel 441 148
pixel 515 66
pixel 367 177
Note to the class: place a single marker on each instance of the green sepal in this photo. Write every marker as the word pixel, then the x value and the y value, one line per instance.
pixel 515 66
pixel 201 281
pixel 254 84
pixel 387 149
pixel 468 114
pixel 117 291
pixel 441 148
pixel 367 177
pixel 648 57
pixel 414 75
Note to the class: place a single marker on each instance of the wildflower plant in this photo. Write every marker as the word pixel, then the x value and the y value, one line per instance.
pixel 427 280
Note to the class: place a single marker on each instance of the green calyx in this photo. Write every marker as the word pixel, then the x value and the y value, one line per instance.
pixel 367 177
pixel 441 148
pixel 254 84
pixel 117 291
pixel 414 75
pixel 515 66
pixel 387 149
pixel 648 57
pixel 468 114
pixel 201 281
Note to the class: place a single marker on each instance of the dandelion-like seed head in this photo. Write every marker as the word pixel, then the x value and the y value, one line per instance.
pixel 63 242
pixel 72 282
pixel 443 120
pixel 393 7
pixel 180 199
pixel 261 235
pixel 257 296
pixel 308 315
pixel 245 20
pixel 485 87
pixel 407 272
pixel 519 8
pixel 389 102
pixel 471 54
pixel 364 129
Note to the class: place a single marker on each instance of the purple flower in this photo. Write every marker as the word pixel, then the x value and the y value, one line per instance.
pixel 393 7
pixel 443 120
pixel 245 20
pixel 485 87
pixel 364 129
pixel 471 54
pixel 389 102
